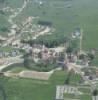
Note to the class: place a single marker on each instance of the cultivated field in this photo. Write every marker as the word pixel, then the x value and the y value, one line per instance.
pixel 28 89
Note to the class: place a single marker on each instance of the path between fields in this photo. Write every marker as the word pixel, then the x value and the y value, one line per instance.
pixel 31 74
pixel 45 31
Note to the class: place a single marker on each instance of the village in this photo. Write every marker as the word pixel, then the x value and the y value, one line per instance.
pixel 65 60
pixel 26 54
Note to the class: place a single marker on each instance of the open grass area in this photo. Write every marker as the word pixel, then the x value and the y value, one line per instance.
pixel 29 89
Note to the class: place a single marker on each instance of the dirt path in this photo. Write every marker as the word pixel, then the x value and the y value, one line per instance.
pixel 31 74
pixel 10 20
pixel 11 17
pixel 45 31
pixel 27 23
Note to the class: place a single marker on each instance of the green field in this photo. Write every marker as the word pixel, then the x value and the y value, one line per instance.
pixel 81 14
pixel 29 89
pixel 65 19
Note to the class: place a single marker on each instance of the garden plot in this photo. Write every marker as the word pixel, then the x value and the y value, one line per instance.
pixel 66 92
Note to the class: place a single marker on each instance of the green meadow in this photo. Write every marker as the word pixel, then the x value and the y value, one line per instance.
pixel 29 89
pixel 65 15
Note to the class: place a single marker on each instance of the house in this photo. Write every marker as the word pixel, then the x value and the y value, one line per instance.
pixel 97 72
pixel 2 61
pixel 1 54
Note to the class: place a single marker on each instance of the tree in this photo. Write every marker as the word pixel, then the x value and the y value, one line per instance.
pixel 41 65
pixel 27 60
pixel 49 40
pixel 69 50
pixel 67 81
pixel 95 94
pixel 73 46
pixel 82 56
pixel 91 56
pixel 4 29
pixel 2 3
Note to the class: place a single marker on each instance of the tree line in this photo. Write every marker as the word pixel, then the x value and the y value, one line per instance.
pixel 49 41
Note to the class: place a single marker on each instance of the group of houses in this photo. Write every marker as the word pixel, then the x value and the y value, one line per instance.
pixel 41 52
pixel 12 53
pixel 44 53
